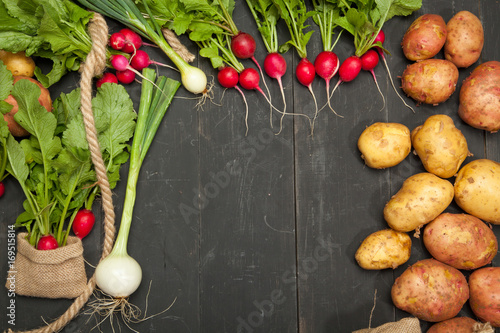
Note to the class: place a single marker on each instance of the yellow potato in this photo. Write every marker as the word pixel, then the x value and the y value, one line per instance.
pixel 440 145
pixel 420 200
pixel 384 145
pixel 465 39
pixel 477 189
pixel 18 63
pixel 384 249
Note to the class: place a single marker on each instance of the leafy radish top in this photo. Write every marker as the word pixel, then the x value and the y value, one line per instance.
pixel 60 174
pixel 364 19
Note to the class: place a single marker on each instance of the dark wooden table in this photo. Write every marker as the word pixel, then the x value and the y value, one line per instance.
pixel 258 232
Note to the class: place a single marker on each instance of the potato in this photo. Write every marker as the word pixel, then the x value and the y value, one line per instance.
pixel 384 249
pixel 383 145
pixel 430 290
pixel 477 189
pixel 480 97
pixel 460 240
pixel 420 200
pixel 18 63
pixel 465 39
pixel 484 285
pixel 454 325
pixel 425 37
pixel 440 145
pixel 430 81
pixel 44 99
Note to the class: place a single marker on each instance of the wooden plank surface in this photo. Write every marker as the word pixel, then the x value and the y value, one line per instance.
pixel 256 232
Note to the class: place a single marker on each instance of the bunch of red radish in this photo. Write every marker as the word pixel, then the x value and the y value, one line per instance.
pixel 326 65
pixel 127 41
pixel 82 225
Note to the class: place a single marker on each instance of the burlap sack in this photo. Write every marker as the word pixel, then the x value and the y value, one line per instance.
pixel 58 273
pixel 406 325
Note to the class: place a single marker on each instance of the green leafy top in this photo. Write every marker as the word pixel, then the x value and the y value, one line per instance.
pixel 295 15
pixel 266 17
pixel 53 165
pixel 364 18
pixel 53 29
pixel 327 13
pixel 208 23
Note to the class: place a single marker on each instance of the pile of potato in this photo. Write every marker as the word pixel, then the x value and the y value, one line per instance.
pixel 431 80
pixel 435 289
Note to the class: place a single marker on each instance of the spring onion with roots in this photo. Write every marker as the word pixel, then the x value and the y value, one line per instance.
pixel 119 275
pixel 127 13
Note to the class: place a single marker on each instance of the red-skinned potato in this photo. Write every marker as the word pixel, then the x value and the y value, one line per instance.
pixel 430 290
pixel 484 299
pixel 425 37
pixel 460 240
pixel 480 97
pixel 465 39
pixel 44 99
pixel 454 325
pixel 430 81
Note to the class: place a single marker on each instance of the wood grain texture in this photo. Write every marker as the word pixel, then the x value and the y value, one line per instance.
pixel 257 232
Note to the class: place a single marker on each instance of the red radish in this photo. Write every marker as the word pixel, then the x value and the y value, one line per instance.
pixel 132 41
pixel 381 38
pixel 125 77
pixel 117 40
pixel 243 45
pixel 305 74
pixel 2 189
pixel 249 79
pixel 326 65
pixel 47 242
pixel 83 223
pixel 106 78
pixel 275 67
pixel 121 64
pixel 140 60
pixel 228 78
pixel 369 61
pixel 350 69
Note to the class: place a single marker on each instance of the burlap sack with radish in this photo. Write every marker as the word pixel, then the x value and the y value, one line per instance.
pixel 58 273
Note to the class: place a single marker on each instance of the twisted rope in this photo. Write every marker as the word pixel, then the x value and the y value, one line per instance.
pixel 176 44
pixel 94 65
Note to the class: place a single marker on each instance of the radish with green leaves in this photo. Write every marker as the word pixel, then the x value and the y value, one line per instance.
pixel 127 13
pixel 295 14
pixel 119 275
pixel 266 16
pixel 364 21
pixel 326 63
pixel 62 176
